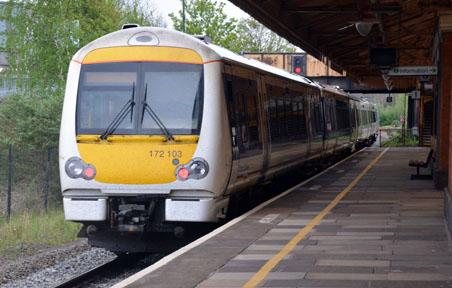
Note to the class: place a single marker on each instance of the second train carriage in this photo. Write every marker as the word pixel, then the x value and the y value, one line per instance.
pixel 160 129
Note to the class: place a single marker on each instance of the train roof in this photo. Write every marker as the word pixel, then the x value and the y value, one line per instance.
pixel 237 58
pixel 172 38
pixel 209 51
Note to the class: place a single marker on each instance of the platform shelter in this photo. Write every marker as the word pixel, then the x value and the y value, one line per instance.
pixel 393 45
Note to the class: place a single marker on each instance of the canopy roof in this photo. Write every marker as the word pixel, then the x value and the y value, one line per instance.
pixel 326 30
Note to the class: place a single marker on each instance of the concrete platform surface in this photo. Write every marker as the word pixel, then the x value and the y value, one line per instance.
pixel 353 226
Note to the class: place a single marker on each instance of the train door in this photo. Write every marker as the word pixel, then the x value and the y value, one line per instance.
pixel 246 128
pixel 233 124
pixel 354 119
pixel 343 122
pixel 330 131
pixel 315 123
pixel 264 122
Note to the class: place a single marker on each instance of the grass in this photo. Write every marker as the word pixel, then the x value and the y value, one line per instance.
pixel 28 233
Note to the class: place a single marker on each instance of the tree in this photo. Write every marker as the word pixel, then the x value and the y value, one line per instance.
pixel 204 17
pixel 252 36
pixel 41 37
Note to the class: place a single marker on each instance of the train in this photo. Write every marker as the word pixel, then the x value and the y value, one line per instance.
pixel 161 130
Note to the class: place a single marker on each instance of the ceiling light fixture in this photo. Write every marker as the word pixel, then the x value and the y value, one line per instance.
pixel 363 28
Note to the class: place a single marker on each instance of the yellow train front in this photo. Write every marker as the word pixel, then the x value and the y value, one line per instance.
pixel 138 147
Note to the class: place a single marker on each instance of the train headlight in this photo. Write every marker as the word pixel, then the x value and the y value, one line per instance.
pixel 197 168
pixel 76 168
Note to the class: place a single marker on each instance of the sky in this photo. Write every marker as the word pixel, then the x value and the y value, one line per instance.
pixel 173 6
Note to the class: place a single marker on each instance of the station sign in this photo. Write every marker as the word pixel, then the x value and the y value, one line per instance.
pixel 413 70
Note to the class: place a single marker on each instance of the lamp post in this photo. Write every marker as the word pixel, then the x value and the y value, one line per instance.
pixel 183 15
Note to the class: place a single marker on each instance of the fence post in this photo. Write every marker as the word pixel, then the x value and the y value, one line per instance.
pixel 47 177
pixel 8 205
pixel 379 131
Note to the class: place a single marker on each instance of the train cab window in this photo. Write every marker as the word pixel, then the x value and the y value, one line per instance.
pixel 177 106
pixel 110 90
pixel 102 95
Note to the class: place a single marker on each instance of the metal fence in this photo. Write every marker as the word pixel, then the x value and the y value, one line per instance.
pixel 397 137
pixel 29 180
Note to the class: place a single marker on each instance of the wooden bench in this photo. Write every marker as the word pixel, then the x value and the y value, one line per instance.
pixel 421 164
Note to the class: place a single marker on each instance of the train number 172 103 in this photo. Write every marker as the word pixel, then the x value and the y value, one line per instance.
pixel 168 153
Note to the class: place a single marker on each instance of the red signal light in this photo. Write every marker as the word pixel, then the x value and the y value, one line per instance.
pixel 297 70
pixel 183 173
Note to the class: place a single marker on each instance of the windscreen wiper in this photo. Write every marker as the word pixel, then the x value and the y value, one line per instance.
pixel 154 116
pixel 128 107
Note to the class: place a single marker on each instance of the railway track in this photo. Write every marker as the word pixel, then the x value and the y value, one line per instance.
pixel 117 266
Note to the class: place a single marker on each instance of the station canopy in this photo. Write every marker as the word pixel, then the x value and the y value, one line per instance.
pixel 362 38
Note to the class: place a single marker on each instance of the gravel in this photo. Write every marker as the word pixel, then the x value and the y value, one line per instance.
pixel 109 279
pixel 52 266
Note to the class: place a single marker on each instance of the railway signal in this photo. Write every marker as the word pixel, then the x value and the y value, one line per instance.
pixel 299 65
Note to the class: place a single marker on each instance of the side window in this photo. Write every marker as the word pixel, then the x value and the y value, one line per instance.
pixel 281 116
pixel 316 116
pixel 342 115
pixel 298 115
pixel 273 114
pixel 330 123
pixel 244 92
pixel 277 111
pixel 243 117
pixel 251 105
pixel 362 117
pixel 230 106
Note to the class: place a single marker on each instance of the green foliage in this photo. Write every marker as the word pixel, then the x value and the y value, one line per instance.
pixel 28 121
pixel 29 232
pixel 204 17
pixel 41 37
pixel 252 36
pixel 390 115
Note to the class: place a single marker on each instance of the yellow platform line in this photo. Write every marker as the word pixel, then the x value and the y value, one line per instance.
pixel 263 272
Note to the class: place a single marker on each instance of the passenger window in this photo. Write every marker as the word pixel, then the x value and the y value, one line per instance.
pixel 342 115
pixel 245 94
pixel 316 116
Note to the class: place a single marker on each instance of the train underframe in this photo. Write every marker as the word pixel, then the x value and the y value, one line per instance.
pixel 137 224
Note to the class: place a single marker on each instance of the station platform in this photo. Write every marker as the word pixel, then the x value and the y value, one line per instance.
pixel 361 223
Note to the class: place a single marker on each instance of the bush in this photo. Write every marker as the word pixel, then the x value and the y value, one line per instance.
pixel 390 114
pixel 30 121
